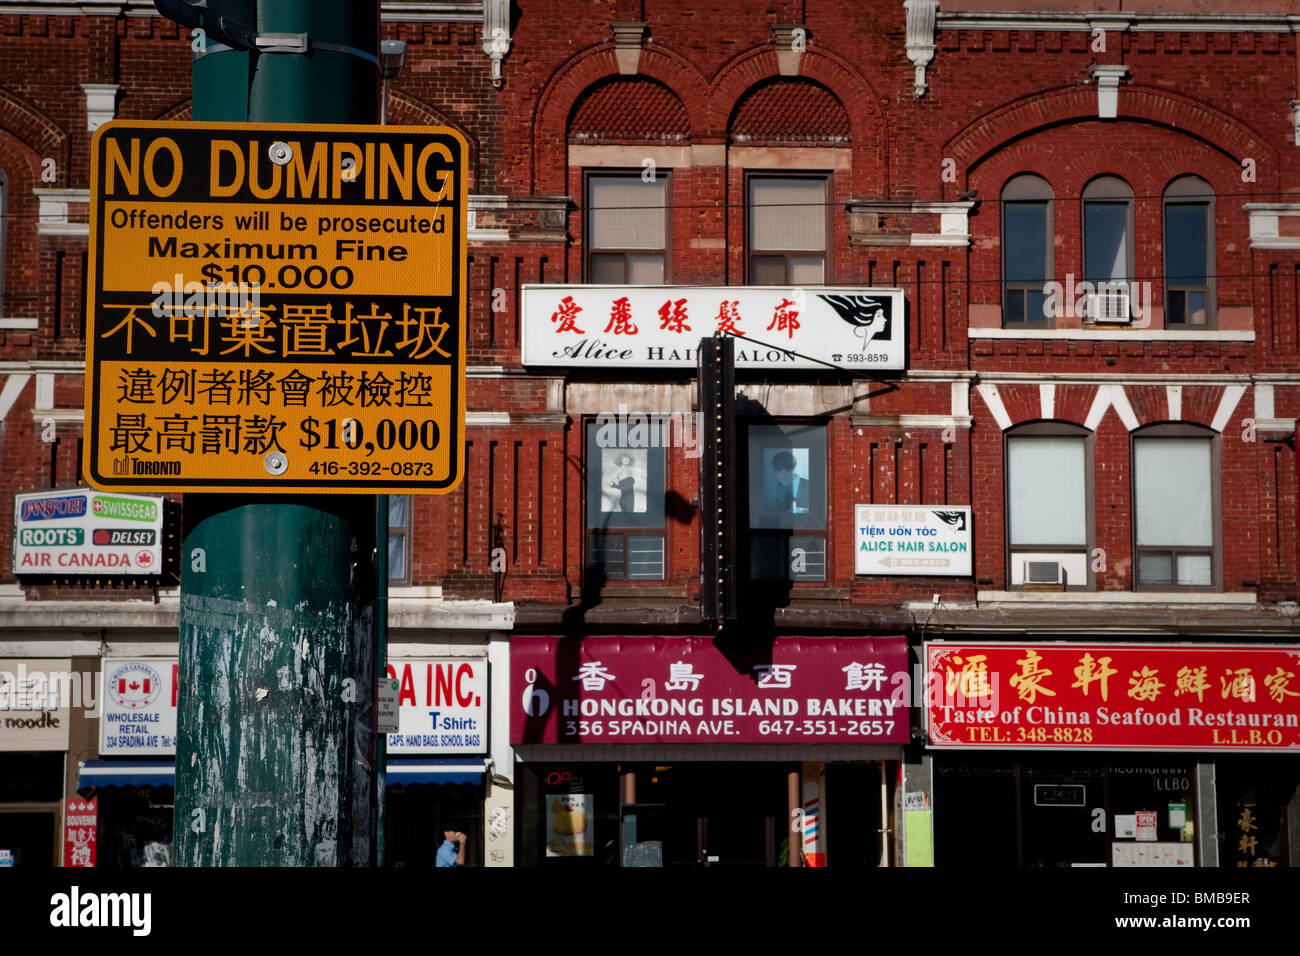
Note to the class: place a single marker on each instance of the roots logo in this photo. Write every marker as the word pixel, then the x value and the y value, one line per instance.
pixel 134 685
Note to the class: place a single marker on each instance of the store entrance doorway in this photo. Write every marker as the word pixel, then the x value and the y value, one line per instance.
pixel 707 815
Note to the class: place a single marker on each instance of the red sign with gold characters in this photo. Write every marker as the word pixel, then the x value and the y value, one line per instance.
pixel 1050 696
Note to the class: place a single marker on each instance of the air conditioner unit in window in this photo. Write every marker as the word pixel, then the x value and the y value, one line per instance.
pixel 1108 306
pixel 1044 572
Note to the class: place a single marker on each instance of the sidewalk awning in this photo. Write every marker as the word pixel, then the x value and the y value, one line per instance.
pixel 127 773
pixel 159 773
pixel 436 770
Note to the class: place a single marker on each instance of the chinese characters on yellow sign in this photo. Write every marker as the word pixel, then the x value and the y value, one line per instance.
pixel 276 308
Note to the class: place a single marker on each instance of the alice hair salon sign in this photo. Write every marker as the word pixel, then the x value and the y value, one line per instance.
pixel 806 327
pixel 912 539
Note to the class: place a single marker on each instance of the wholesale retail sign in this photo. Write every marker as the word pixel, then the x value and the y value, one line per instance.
pixel 1049 696
pixel 139 707
pixel 80 531
pixel 442 706
pixel 912 539
pixel 611 327
pixel 276 308
pixel 685 690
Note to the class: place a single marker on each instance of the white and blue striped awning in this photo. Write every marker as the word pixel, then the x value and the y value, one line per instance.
pixel 127 773
pixel 162 773
pixel 436 770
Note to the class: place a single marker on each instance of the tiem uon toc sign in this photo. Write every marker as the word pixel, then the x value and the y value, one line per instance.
pixel 1113 696
pixel 685 690
pixel 912 539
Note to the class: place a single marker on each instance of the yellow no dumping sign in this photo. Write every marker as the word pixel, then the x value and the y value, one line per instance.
pixel 276 308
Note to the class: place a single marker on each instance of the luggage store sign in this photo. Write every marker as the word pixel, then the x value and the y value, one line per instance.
pixel 276 308
pixel 684 690
pixel 606 327
pixel 83 532
pixel 139 701
pixel 909 539
pixel 1113 697
pixel 442 706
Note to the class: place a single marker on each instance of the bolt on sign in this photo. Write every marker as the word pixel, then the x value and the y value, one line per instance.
pixel 276 308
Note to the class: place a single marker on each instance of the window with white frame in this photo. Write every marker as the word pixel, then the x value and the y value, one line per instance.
pixel 1175 507
pixel 1049 517
pixel 399 539
pixel 1108 248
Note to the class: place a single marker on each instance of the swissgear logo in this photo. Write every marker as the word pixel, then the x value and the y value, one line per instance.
pixel 134 686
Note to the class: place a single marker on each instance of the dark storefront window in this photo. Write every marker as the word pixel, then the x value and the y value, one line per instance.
pixel 416 815
pixel 1064 811
pixel 1258 811
pixel 135 826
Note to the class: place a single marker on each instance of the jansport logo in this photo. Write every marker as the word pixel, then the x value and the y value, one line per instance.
pixel 134 910
pixel 134 685
pixel 129 508
pixel 42 509
pixel 131 537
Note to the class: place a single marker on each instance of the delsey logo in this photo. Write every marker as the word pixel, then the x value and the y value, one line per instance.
pixel 132 910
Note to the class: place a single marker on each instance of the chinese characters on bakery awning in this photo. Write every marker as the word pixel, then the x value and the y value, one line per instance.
pixel 682 689
pixel 1113 696
pixel 661 326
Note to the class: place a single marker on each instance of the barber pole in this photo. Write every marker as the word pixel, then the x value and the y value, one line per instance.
pixel 814 833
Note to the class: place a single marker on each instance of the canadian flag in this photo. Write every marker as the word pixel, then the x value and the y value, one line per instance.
pixel 134 686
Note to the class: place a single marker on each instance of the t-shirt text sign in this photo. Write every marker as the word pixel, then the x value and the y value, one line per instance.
pixel 276 308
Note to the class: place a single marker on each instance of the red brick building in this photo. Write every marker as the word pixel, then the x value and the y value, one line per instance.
pixel 1126 448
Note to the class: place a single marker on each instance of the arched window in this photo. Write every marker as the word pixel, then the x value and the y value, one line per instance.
pixel 1189 253
pixel 1026 251
pixel 1175 507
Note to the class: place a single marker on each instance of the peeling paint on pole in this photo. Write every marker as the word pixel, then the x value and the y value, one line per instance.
pixel 280 762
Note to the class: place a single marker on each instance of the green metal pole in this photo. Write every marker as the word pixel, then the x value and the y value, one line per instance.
pixel 276 752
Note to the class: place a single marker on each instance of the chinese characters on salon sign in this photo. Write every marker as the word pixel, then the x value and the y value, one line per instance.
pixel 1113 697
pixel 661 326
